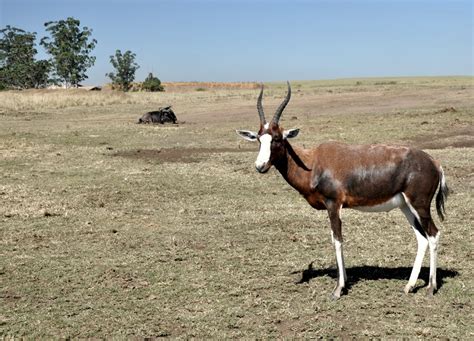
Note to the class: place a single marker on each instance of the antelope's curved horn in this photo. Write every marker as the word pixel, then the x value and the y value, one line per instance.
pixel 260 107
pixel 282 106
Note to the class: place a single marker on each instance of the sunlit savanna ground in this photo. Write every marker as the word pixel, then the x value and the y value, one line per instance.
pixel 109 228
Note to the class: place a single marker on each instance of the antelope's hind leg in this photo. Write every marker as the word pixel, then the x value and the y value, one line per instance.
pixel 427 234
pixel 433 241
pixel 413 219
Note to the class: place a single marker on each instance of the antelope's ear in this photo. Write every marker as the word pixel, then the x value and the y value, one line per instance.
pixel 247 134
pixel 290 133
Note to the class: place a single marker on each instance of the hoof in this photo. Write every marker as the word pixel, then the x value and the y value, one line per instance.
pixel 408 289
pixel 336 294
pixel 430 291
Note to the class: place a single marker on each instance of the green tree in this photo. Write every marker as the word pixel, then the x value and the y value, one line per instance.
pixel 125 68
pixel 70 48
pixel 40 74
pixel 152 84
pixel 18 67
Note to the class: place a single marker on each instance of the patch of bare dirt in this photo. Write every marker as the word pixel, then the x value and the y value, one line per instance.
pixel 182 155
pixel 25 115
pixel 456 138
pixel 448 109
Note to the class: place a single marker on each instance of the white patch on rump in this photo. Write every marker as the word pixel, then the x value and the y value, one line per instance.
pixel 264 153
pixel 395 202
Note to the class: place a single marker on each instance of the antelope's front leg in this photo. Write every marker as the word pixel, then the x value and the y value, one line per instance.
pixel 336 229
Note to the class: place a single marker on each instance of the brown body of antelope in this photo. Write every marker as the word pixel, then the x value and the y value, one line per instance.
pixel 371 178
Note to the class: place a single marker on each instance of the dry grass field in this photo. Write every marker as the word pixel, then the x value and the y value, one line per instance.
pixel 113 229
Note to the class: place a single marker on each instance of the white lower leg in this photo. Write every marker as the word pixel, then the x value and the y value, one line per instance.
pixel 340 258
pixel 412 216
pixel 433 243
pixel 420 254
pixel 341 269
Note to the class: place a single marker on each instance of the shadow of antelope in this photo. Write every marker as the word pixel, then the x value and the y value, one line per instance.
pixel 373 273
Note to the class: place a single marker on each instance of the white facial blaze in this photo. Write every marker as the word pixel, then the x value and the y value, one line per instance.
pixel 264 154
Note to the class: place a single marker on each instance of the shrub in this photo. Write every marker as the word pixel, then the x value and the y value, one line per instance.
pixel 152 84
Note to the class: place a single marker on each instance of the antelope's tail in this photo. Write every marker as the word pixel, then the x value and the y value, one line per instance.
pixel 442 195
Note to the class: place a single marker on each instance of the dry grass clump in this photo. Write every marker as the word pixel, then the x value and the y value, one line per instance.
pixel 58 98
pixel 32 100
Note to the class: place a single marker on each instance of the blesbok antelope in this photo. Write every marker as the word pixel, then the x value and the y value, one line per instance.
pixel 370 178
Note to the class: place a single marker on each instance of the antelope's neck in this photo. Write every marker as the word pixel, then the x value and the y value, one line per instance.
pixel 295 167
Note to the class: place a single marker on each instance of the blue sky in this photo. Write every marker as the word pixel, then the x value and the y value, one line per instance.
pixel 263 40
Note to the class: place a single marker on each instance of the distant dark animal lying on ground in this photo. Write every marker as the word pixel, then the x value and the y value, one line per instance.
pixel 162 115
